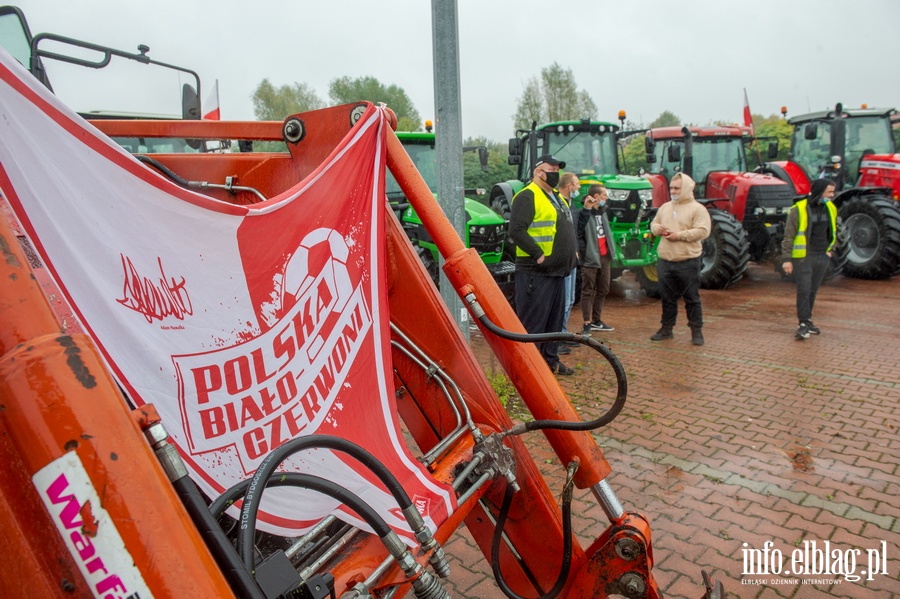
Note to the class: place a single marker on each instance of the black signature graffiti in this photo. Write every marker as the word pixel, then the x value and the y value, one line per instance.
pixel 168 297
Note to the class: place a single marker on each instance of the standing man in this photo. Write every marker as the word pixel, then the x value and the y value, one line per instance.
pixel 596 251
pixel 809 237
pixel 683 223
pixel 569 190
pixel 541 227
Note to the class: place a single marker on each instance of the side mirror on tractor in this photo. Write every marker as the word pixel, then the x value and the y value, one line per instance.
pixel 650 148
pixel 773 150
pixel 515 150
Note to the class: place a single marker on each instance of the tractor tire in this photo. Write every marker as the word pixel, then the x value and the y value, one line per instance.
pixel 873 228
pixel 431 266
pixel 500 205
pixel 726 252
pixel 648 280
pixel 839 254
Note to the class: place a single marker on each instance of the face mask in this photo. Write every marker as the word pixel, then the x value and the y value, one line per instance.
pixel 552 179
pixel 575 194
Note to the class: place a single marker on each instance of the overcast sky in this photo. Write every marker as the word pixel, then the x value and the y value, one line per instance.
pixel 693 58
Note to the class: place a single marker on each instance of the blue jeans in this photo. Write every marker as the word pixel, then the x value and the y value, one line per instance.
pixel 569 285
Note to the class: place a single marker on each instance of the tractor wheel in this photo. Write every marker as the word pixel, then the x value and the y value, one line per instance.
pixel 873 228
pixel 430 264
pixel 726 252
pixel 500 205
pixel 839 254
pixel 648 280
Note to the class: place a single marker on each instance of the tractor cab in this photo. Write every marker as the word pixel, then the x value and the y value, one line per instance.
pixel 835 142
pixel 857 149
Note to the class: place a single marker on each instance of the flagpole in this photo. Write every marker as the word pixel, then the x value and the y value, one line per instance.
pixel 219 106
pixel 748 121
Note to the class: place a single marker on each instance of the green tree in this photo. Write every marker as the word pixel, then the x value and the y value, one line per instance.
pixel 499 168
pixel 553 97
pixel 773 126
pixel 344 90
pixel 272 103
pixel 666 119
pixel 635 154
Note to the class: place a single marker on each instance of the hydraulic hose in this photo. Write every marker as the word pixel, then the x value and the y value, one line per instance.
pixel 237 575
pixel 618 370
pixel 195 184
pixel 567 540
pixel 424 584
pixel 260 479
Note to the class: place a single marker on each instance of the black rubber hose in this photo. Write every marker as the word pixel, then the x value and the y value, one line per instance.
pixel 567 546
pixel 253 494
pixel 618 369
pixel 237 575
pixel 335 491
pixel 224 501
pixel 163 169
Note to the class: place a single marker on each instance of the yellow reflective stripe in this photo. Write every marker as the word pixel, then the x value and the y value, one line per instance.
pixel 799 249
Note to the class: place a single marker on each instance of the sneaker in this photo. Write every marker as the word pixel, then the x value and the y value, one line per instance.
pixel 663 333
pixel 599 325
pixel 586 331
pixel 813 328
pixel 563 350
pixel 802 331
pixel 696 336
pixel 563 369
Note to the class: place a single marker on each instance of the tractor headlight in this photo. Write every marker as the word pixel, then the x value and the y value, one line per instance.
pixel 646 195
pixel 618 195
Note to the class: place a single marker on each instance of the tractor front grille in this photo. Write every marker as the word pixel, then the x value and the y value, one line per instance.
pixel 626 211
pixel 487 238
pixel 779 197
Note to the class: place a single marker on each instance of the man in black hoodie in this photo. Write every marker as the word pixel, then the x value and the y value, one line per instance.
pixel 809 237
pixel 540 225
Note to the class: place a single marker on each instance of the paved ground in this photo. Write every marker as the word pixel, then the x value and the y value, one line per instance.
pixel 753 437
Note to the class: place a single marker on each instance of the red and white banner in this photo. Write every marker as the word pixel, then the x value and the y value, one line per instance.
pixel 748 118
pixel 211 106
pixel 244 325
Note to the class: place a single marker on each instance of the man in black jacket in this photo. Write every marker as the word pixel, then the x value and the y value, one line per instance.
pixel 596 250
pixel 541 227
pixel 809 236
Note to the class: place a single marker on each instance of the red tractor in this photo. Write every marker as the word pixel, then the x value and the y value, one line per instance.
pixel 857 148
pixel 748 209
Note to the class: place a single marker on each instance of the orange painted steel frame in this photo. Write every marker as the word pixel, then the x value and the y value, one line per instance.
pixel 56 396
pixel 416 309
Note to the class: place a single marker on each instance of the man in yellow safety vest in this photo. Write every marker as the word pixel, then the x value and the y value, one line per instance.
pixel 540 224
pixel 809 236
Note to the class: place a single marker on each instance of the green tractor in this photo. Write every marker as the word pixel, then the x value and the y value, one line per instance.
pixel 590 150
pixel 485 229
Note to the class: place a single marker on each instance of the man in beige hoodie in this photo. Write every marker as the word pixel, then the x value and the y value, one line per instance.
pixel 682 223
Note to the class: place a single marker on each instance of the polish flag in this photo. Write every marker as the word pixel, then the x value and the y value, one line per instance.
pixel 211 106
pixel 748 120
